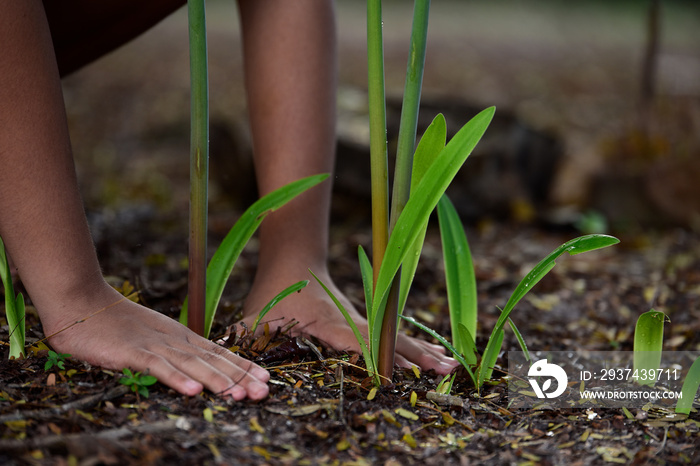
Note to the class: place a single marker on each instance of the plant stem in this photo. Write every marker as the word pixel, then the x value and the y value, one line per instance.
pixel 402 173
pixel 199 165
pixel 409 111
pixel 377 135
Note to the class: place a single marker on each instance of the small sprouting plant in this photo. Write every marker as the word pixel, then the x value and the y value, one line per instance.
pixel 14 307
pixel 206 282
pixel 138 382
pixel 56 359
pixel 461 290
pixel 422 175
pixel 648 343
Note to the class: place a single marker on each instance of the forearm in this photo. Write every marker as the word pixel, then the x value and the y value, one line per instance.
pixel 290 66
pixel 41 213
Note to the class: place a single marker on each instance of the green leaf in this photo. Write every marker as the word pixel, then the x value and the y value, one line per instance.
pixel 459 273
pixel 14 308
pixel 574 246
pixel 366 272
pixel 418 208
pixel 521 340
pixel 488 361
pixel 429 148
pixel 689 389
pixel 225 257
pixel 467 340
pixel 147 380
pixel 371 364
pixel 283 294
pixel 444 342
pixel 648 342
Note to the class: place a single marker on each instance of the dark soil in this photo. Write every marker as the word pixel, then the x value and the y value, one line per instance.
pixel 129 123
pixel 318 410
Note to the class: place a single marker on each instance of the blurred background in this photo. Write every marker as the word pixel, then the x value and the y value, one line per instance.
pixel 597 127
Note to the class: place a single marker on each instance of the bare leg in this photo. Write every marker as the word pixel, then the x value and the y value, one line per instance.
pixel 44 228
pixel 290 63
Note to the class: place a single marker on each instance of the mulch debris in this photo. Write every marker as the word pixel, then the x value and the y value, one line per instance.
pixel 322 409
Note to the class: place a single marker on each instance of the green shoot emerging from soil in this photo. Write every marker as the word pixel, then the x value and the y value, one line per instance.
pixel 138 382
pixel 461 288
pixel 14 307
pixel 56 359
pixel 648 343
pixel 421 177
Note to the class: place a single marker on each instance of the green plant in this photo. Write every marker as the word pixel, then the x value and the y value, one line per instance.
pixel 221 264
pixel 206 283
pixel 422 175
pixel 461 283
pixel 56 359
pixel 199 165
pixel 411 223
pixel 648 342
pixel 138 382
pixel 689 388
pixel 14 307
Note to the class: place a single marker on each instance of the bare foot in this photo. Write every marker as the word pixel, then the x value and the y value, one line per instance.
pixel 129 335
pixel 318 316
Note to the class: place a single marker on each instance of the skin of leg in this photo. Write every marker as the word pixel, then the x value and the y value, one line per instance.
pixel 44 228
pixel 290 68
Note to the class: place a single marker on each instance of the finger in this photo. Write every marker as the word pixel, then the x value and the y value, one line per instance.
pixel 189 371
pixel 224 373
pixel 424 356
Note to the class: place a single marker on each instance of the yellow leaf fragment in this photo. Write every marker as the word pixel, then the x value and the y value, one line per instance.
pixel 343 445
pixel 214 451
pixel 84 415
pixel 406 414
pixel 255 425
pixel 409 440
pixel 262 452
pixel 372 393
pixel 208 415
pixel 414 398
pixel 416 371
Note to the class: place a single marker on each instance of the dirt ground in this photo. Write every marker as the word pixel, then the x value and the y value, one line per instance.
pixel 570 71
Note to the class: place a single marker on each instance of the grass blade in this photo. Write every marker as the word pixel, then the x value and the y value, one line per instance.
pixel 459 272
pixel 648 342
pixel 369 362
pixel 521 340
pixel 444 343
pixel 689 389
pixel 283 294
pixel 221 264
